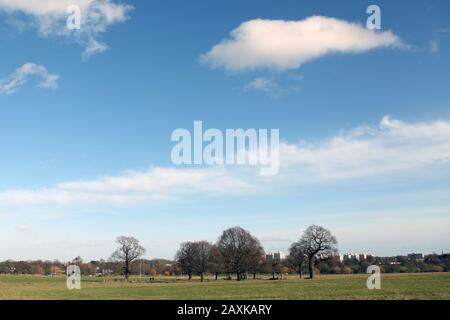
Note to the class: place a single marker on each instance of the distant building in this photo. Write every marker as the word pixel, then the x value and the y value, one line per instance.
pixel 277 256
pixel 353 256
pixel 415 256
pixel 350 256
pixel 107 272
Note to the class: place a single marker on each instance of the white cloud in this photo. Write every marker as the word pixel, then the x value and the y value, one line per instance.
pixel 282 45
pixel 439 36
pixel 157 184
pixel 94 47
pixel 23 227
pixel 434 46
pixel 20 76
pixel 392 147
pixel 262 84
pixel 50 16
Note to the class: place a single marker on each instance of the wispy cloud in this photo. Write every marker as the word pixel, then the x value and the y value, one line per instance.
pixel 434 45
pixel 283 45
pixel 438 37
pixel 20 76
pixel 274 86
pixel 393 147
pixel 49 18
pixel 136 187
pixel 23 227
pixel 262 84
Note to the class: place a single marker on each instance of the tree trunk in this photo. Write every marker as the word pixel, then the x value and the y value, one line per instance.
pixel 311 267
pixel 254 276
pixel 216 275
pixel 238 275
pixel 201 276
pixel 126 270
pixel 190 276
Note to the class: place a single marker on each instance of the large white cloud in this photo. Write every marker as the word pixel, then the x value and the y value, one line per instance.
pixel 393 147
pixel 282 45
pixel 137 187
pixel 18 78
pixel 50 16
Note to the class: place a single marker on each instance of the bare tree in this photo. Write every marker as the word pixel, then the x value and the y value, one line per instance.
pixel 218 261
pixel 195 257
pixel 297 257
pixel 128 251
pixel 240 250
pixel 317 242
pixel 202 257
pixel 185 258
pixel 257 265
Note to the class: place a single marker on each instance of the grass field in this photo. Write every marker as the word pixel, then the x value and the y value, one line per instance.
pixel 393 286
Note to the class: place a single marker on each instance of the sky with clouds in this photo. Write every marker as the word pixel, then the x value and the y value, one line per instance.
pixel 86 118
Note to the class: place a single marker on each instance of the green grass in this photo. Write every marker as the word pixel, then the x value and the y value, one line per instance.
pixel 393 286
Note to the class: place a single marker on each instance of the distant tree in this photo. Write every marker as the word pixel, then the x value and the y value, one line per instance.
pixel 203 258
pixel 195 257
pixel 266 266
pixel 56 270
pixel 175 269
pixel 257 266
pixel 78 261
pixel 10 267
pixel 128 251
pixel 324 267
pixel 218 262
pixel 185 258
pixel 285 270
pixel 347 270
pixel 297 257
pixel 37 269
pixel 276 268
pixel 240 250
pixel 318 243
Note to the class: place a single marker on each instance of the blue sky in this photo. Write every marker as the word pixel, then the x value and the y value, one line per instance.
pixel 365 134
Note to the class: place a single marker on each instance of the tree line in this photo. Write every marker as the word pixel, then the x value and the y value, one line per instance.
pixel 236 254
